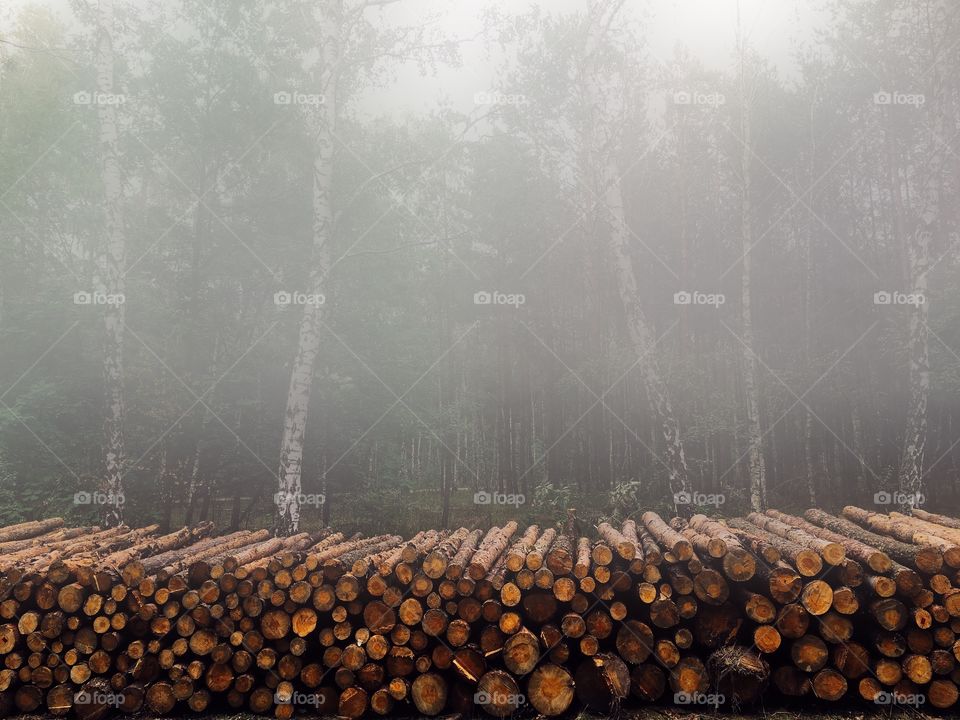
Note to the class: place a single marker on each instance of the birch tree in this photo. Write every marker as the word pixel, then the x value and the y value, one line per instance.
pixel 321 122
pixel 114 265
pixel 750 372
pixel 348 42
pixel 601 142
pixel 918 256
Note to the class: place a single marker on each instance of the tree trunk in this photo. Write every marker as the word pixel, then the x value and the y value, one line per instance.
pixel 918 257
pixel 806 282
pixel 114 265
pixel 915 438
pixel 758 478
pixel 301 377
pixel 602 173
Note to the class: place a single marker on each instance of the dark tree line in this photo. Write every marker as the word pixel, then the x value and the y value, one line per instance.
pixel 229 289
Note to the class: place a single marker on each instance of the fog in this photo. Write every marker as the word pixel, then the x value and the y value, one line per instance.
pixel 401 262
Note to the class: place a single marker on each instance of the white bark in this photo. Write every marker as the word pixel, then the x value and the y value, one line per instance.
pixel 301 378
pixel 113 268
pixel 918 256
pixel 643 339
pixel 915 439
pixel 807 283
pixel 757 468
pixel 601 141
pixel 918 260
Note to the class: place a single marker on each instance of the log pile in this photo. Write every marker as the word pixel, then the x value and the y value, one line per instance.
pixel 855 606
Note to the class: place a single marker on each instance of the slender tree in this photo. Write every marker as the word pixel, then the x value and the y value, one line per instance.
pixel 750 363
pixel 348 43
pixel 322 120
pixel 918 260
pixel 114 266
pixel 601 141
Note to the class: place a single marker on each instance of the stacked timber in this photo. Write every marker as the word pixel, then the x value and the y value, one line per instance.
pixel 856 606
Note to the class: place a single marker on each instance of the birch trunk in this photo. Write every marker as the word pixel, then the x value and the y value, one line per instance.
pixel 301 376
pixel 114 262
pixel 806 285
pixel 643 340
pixel 758 477
pixel 918 258
pixel 601 141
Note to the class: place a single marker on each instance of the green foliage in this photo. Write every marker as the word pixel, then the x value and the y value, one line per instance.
pixel 553 499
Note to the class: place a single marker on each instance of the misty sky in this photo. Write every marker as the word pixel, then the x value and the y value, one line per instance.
pixel 706 28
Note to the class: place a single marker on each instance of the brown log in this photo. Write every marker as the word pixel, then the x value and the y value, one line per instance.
pixel 901 552
pixel 602 681
pixel 517 554
pixel 634 641
pixel 832 552
pixel 495 542
pixel 946 540
pixel 873 558
pixel 461 560
pixel 435 563
pixel 690 677
pixel 30 529
pixel 828 684
pixel 632 533
pixel 429 693
pixel 943 520
pixel 717 625
pixel 581 567
pixel 498 693
pixel 535 558
pixel 809 653
pixel 678 545
pixel 550 689
pixel 807 562
pixel 647 682
pixel 521 652
pixel 615 539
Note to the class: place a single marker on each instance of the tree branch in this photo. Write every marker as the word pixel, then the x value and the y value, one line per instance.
pixel 356 193
pixel 398 248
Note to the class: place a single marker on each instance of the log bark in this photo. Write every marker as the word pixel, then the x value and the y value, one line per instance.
pixel 678 545
pixel 902 547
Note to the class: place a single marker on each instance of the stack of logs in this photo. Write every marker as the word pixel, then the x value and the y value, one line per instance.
pixel 856 606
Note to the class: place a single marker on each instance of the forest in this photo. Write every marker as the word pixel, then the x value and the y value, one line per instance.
pixel 240 283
